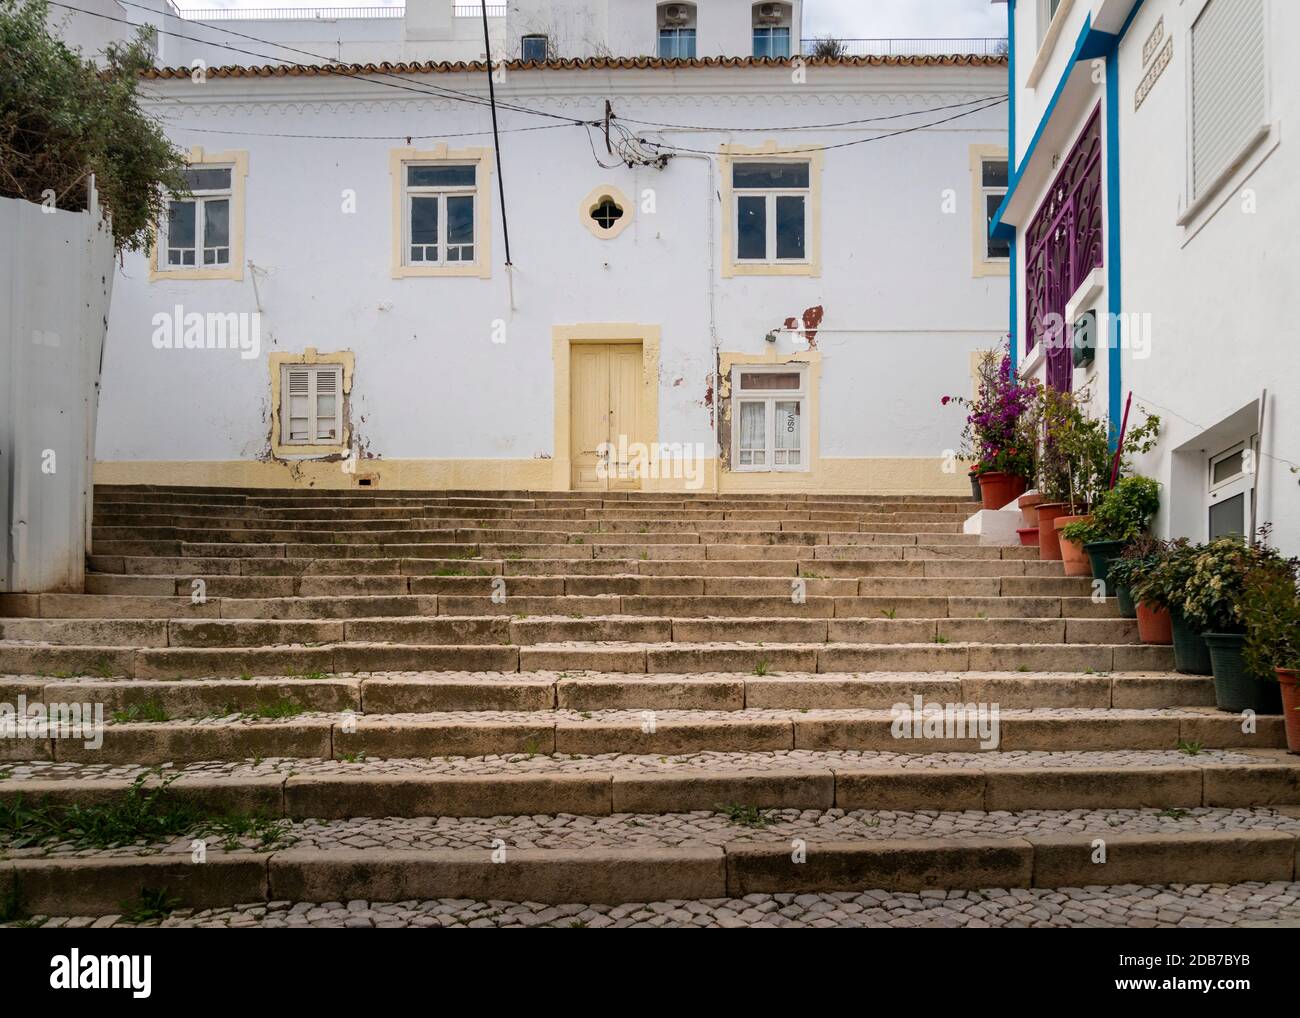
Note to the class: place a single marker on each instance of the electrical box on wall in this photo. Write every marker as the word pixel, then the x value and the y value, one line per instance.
pixel 1085 339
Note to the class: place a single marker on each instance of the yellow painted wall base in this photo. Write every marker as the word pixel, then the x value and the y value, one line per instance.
pixel 877 476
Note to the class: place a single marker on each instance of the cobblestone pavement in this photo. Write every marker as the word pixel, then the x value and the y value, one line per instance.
pixel 525 763
pixel 742 824
pixel 1176 905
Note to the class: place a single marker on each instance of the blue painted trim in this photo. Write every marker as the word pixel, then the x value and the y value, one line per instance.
pixel 1013 331
pixel 1114 275
pixel 999 228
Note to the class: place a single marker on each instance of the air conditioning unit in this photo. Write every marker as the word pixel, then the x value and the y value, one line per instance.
pixel 770 14
pixel 677 14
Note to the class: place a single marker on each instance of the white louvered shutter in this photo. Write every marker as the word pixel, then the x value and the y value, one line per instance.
pixel 1228 85
pixel 312 404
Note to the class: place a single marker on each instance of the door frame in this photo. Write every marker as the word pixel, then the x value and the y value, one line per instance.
pixel 563 338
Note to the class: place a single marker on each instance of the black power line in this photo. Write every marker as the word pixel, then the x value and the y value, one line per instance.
pixel 496 137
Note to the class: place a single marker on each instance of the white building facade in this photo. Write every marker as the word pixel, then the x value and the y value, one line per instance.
pixel 1152 190
pixel 735 275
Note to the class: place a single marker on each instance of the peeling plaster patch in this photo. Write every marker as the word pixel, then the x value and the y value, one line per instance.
pixel 677 382
pixel 812 319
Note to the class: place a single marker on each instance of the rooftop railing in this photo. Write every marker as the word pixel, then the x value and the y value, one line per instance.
pixel 919 47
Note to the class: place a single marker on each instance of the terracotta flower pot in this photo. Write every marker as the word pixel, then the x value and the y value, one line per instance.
pixel 1289 679
pixel 1028 537
pixel 1072 553
pixel 997 489
pixel 1029 508
pixel 1049 546
pixel 1155 625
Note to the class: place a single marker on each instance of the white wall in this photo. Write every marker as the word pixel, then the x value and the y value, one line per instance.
pixel 430 383
pixel 1220 290
pixel 55 280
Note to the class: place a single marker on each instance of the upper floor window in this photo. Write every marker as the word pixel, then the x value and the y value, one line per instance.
pixel 198 227
pixel 771 30
pixel 993 189
pixel 533 48
pixel 440 207
pixel 771 210
pixel 201 235
pixel 1046 12
pixel 676 31
pixel 1229 92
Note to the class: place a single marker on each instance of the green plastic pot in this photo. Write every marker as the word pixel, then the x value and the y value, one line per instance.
pixel 1191 656
pixel 1127 608
pixel 1236 688
pixel 1101 554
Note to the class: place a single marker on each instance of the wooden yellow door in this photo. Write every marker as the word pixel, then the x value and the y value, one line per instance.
pixel 604 406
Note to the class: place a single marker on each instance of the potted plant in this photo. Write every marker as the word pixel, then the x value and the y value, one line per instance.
pixel 1135 557
pixel 998 429
pixel 1159 582
pixel 1271 608
pixel 1123 513
pixel 1214 604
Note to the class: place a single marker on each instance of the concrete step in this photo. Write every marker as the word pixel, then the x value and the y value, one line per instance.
pixel 644 864
pixel 663 732
pixel 505 629
pixel 422 692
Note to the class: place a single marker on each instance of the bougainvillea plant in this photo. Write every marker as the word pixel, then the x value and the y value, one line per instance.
pixel 1001 421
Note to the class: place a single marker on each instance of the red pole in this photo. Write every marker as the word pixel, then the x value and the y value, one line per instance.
pixel 1119 446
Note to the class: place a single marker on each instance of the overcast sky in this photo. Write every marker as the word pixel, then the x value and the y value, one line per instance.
pixel 858 19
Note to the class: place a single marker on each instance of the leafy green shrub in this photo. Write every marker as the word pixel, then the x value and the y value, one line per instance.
pixel 1271 610
pixel 1124 513
pixel 1216 588
pixel 1075 457
pixel 1137 556
pixel 63 119
pixel 1161 579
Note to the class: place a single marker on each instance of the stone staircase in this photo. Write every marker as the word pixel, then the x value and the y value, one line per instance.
pixel 557 698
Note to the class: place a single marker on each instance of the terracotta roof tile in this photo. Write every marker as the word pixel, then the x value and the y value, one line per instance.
pixel 583 63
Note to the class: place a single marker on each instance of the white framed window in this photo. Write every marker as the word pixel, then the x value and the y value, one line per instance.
pixel 1230 480
pixel 534 48
pixel 769 417
pixel 992 191
pixel 676 31
pixel 441 206
pixel 1227 89
pixel 771 208
pixel 197 232
pixel 311 404
pixel 771 30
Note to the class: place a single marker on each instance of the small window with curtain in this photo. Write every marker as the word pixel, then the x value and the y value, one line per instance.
pixel 769 419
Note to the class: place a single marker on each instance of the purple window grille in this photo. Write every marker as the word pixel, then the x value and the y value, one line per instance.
pixel 1063 244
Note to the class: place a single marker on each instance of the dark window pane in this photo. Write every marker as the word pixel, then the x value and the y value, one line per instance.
pixel 424 220
pixel 789 226
pixel 1229 466
pixel 769 175
pixel 1228 517
pixel 216 223
pixel 460 219
pixel 769 380
pixel 180 224
pixel 751 228
pixel 533 47
pixel 208 180
pixel 995 173
pixel 440 176
pixel 996 247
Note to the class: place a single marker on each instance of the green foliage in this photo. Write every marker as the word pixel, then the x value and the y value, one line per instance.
pixel 1137 556
pixel 1160 580
pixel 1271 609
pixel 150 710
pixel 63 119
pixel 152 904
pixel 1075 458
pixel 1124 512
pixel 1216 589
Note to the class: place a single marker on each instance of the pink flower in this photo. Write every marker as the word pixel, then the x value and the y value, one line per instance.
pixel 946 400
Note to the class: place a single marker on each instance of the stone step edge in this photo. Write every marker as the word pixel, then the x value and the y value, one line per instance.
pixel 1267 781
pixel 466 734
pixel 99 885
